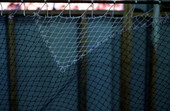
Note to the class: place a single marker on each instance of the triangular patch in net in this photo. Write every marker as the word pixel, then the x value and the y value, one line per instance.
pixel 70 38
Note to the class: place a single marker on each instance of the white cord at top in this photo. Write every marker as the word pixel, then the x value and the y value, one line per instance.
pixel 114 2
pixel 45 1
pixel 37 13
pixel 92 1
pixel 69 8
pixel 22 1
pixel 1 9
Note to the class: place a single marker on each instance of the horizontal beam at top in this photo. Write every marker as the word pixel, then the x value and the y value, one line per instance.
pixel 77 12
pixel 89 1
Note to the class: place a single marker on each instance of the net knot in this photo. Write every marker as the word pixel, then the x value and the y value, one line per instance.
pixel 11 16
pixel 62 69
pixel 36 14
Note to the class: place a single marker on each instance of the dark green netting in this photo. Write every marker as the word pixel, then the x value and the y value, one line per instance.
pixel 94 81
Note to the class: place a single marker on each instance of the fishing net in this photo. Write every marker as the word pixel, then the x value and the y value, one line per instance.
pixel 86 62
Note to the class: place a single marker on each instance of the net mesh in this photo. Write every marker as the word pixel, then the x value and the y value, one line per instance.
pixel 101 63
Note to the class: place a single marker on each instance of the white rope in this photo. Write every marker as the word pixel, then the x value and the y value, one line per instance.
pixel 114 2
pixel 45 1
pixel 12 14
pixel 69 8
pixel 22 1
pixel 63 10
pixel 105 14
pixel 35 14
pixel 85 11
pixel 92 1
pixel 1 9
pixel 133 9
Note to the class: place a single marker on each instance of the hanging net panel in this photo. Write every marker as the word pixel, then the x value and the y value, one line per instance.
pixel 86 62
